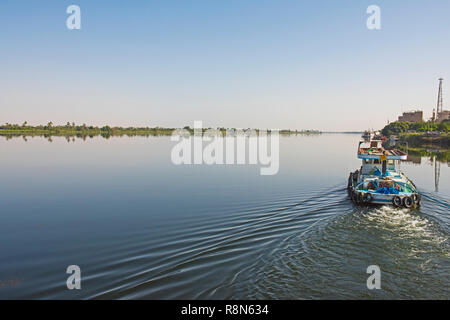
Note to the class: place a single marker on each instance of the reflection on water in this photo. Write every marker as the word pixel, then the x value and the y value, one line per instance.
pixel 435 158
pixel 140 227
pixel 437 174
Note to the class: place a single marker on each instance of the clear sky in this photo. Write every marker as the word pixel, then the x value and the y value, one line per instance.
pixel 234 63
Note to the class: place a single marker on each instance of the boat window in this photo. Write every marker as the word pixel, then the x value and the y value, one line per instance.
pixel 367 161
pixel 376 161
pixel 391 162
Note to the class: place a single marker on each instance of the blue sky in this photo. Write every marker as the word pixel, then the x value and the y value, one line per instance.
pixel 247 63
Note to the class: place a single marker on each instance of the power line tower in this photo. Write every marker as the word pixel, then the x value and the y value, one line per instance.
pixel 440 105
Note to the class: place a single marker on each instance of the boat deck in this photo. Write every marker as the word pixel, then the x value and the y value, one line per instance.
pixel 381 151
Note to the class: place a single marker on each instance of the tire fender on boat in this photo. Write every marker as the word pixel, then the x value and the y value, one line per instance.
pixel 408 202
pixel 359 198
pixel 417 198
pixel 369 197
pixel 397 201
pixel 355 196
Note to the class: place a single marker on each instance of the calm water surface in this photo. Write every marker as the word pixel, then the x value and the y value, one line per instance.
pixel 142 228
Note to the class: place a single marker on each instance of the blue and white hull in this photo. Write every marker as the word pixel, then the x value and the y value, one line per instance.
pixel 405 196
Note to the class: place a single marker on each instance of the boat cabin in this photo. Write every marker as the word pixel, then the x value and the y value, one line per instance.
pixel 377 161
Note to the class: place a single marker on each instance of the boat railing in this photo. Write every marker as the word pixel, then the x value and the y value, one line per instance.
pixel 403 144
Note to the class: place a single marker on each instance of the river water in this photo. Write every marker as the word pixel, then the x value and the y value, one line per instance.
pixel 140 227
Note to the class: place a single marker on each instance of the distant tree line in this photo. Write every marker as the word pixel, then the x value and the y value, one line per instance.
pixel 70 129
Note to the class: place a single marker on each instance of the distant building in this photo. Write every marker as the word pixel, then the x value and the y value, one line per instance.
pixel 411 116
pixel 444 115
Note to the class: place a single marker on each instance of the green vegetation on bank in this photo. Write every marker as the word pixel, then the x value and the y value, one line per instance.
pixel 425 140
pixel 420 134
pixel 72 130
pixel 83 131
pixel 397 128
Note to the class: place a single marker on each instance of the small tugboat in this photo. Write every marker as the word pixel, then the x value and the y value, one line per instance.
pixel 379 180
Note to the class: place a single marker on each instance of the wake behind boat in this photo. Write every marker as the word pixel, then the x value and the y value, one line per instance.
pixel 379 180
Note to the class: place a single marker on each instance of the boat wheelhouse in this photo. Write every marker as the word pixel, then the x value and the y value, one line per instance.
pixel 367 135
pixel 379 180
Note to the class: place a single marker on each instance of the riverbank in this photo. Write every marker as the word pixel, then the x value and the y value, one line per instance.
pixel 105 132
pixel 83 131
pixel 424 140
pixel 428 134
